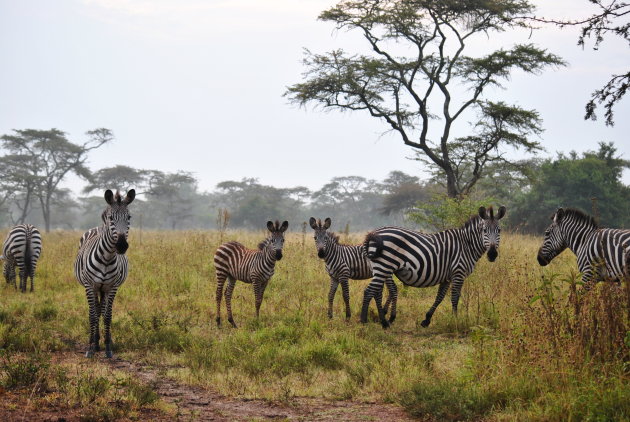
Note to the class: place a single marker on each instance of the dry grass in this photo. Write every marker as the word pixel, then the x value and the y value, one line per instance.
pixel 520 349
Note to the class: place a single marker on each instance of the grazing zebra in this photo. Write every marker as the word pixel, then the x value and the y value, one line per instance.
pixel 233 261
pixel 593 246
pixel 22 248
pixel 101 265
pixel 345 262
pixel 424 260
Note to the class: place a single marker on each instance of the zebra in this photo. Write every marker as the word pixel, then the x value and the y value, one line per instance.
pixel 345 262
pixel 600 251
pixel 424 260
pixel 22 249
pixel 101 265
pixel 233 261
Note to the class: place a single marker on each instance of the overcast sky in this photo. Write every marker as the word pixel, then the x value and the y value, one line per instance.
pixel 197 85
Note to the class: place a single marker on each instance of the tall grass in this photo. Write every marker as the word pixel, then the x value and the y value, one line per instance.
pixel 525 346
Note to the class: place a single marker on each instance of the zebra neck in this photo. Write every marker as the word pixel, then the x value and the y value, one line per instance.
pixel 575 234
pixel 107 245
pixel 269 255
pixel 472 238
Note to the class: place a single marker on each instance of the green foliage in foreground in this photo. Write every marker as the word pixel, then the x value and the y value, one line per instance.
pixel 522 348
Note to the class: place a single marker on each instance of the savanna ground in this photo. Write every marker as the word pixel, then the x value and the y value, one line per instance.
pixel 525 346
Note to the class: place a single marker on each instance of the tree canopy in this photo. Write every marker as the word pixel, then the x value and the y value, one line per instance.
pixel 419 95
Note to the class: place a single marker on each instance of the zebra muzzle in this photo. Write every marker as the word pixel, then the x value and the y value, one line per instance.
pixel 541 260
pixel 122 245
pixel 321 253
pixel 278 255
pixel 492 254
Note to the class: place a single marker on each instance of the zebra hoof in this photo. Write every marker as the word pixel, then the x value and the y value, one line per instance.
pixel 392 318
pixel 218 320
pixel 425 323
pixel 385 324
pixel 109 354
pixel 89 354
pixel 231 321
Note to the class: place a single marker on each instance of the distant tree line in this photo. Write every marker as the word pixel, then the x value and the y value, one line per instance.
pixel 33 164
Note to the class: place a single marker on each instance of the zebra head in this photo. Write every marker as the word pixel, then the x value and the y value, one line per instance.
pixel 554 242
pixel 322 237
pixel 490 230
pixel 276 240
pixel 117 218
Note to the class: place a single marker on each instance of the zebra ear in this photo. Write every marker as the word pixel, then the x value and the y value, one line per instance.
pixel 313 223
pixel 109 196
pixel 482 213
pixel 285 225
pixel 270 226
pixel 559 214
pixel 501 213
pixel 327 223
pixel 131 195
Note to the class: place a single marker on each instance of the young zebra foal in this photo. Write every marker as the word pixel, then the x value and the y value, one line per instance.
pixel 102 266
pixel 233 261
pixel 423 260
pixel 345 262
pixel 21 249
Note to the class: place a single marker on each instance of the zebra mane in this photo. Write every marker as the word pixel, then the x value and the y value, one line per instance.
pixel 579 215
pixel 262 245
pixel 471 221
pixel 334 238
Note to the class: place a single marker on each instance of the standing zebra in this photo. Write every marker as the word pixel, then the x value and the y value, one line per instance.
pixel 101 265
pixel 345 262
pixel 424 260
pixel 573 229
pixel 233 261
pixel 22 248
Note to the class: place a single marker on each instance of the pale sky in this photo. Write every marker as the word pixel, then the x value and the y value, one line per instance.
pixel 197 85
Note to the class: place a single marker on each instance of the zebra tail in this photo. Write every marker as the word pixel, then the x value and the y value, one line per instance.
pixel 28 257
pixel 375 241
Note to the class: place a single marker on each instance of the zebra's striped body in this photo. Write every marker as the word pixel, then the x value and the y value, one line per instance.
pixel 21 250
pixel 425 260
pixel 592 245
pixel 233 261
pixel 101 265
pixel 344 262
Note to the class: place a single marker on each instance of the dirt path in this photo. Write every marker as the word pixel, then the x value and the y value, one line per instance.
pixel 199 404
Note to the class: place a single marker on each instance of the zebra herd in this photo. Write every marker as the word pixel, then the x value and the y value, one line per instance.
pixel 417 259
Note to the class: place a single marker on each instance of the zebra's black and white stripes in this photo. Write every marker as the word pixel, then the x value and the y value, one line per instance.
pixel 21 250
pixel 424 260
pixel 102 266
pixel 233 261
pixel 592 245
pixel 345 262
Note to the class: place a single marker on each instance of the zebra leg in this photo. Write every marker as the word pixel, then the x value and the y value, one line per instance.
pixel 32 282
pixel 258 293
pixel 345 290
pixel 94 317
pixel 228 300
pixel 107 321
pixel 100 307
pixel 23 279
pixel 456 290
pixel 219 296
pixel 9 273
pixel 331 296
pixel 438 299
pixel 392 298
pixel 374 290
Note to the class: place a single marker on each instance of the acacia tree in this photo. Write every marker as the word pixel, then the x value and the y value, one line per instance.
pixel 420 96
pixel 48 157
pixel 612 18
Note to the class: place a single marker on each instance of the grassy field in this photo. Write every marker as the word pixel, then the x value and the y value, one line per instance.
pixel 524 347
